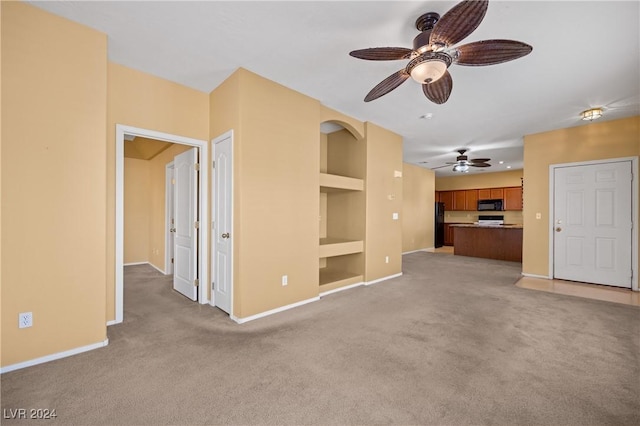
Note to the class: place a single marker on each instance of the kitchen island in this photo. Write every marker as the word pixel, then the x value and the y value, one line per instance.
pixel 501 242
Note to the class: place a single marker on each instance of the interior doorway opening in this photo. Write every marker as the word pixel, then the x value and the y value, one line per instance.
pixel 123 131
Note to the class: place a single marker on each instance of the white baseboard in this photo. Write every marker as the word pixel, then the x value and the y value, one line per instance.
pixel 53 357
pixel 273 311
pixel 544 277
pixel 335 290
pixel 422 249
pixel 156 268
pixel 399 274
pixel 146 263
pixel 112 322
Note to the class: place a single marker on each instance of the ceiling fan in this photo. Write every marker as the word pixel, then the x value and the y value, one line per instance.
pixel 463 163
pixel 433 53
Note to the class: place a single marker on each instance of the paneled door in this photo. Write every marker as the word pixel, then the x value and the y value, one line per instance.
pixel 222 227
pixel 185 268
pixel 592 223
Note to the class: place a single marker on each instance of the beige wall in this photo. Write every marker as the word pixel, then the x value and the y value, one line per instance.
pixel 276 203
pixel 384 198
pixel 136 210
pixel 479 180
pixel 590 141
pixel 54 84
pixel 142 100
pixel 418 198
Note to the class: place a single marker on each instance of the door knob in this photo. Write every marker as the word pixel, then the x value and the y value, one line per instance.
pixel 225 235
pixel 558 229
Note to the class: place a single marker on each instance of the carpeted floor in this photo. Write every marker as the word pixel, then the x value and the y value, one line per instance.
pixel 451 342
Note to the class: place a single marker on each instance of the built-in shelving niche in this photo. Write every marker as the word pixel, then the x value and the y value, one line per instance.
pixel 342 210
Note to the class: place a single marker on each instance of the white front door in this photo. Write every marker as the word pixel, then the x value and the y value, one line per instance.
pixel 592 223
pixel 185 269
pixel 222 223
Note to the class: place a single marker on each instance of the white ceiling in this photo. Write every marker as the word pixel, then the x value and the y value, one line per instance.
pixel 585 54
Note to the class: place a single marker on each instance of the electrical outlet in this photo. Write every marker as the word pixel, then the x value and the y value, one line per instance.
pixel 386 259
pixel 25 319
pixel 285 280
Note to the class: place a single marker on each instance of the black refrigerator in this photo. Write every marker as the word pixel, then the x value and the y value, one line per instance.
pixel 439 226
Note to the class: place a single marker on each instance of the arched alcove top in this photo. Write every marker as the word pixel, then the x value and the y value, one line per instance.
pixel 355 127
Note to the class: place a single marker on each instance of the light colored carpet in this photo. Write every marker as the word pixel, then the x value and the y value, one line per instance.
pixel 451 342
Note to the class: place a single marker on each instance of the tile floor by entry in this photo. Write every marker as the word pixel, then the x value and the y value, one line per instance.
pixel 571 288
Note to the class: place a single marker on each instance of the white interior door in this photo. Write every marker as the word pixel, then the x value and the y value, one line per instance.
pixel 169 219
pixel 593 223
pixel 223 223
pixel 185 252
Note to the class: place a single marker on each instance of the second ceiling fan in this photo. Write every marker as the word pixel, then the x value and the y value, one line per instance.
pixel 432 52
pixel 463 163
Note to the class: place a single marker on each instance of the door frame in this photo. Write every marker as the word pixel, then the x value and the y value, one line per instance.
pixel 634 210
pixel 203 212
pixel 168 205
pixel 225 135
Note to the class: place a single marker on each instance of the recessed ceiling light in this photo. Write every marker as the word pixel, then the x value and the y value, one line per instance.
pixel 501 162
pixel 508 167
pixel 427 116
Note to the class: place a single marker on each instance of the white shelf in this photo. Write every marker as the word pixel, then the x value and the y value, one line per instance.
pixel 331 183
pixel 330 247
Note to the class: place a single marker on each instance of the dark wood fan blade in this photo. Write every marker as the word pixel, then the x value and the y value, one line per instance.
pixel 382 53
pixel 387 85
pixel 458 23
pixel 480 160
pixel 439 91
pixel 491 52
pixel 480 164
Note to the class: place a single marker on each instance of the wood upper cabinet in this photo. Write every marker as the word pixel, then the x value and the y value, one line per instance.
pixel 471 200
pixel 513 198
pixel 446 197
pixel 491 194
pixel 458 200
pixel 484 194
pixel 467 200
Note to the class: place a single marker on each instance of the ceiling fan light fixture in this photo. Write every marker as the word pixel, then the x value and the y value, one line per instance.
pixel 591 114
pixel 429 67
pixel 462 168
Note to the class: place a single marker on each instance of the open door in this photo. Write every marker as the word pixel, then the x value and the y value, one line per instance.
pixel 185 269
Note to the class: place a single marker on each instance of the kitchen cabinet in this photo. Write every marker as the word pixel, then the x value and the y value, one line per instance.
pixel 491 194
pixel 467 199
pixel 513 198
pixel 458 200
pixel 484 194
pixel 471 200
pixel 448 234
pixel 446 197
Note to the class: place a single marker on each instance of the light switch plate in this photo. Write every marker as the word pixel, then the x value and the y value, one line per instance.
pixel 395 216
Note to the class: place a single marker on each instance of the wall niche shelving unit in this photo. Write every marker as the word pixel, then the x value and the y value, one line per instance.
pixel 342 210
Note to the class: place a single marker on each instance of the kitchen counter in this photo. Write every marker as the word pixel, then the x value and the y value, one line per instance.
pixel 501 242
